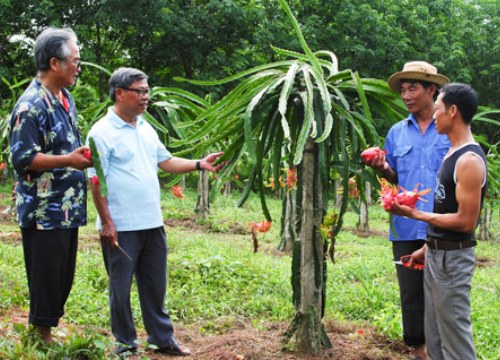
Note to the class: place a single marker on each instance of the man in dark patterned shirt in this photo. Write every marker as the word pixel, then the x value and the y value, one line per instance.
pixel 48 159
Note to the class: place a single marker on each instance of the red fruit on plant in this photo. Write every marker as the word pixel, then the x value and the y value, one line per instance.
pixel 369 154
pixel 262 226
pixel 87 154
pixel 177 191
pixel 291 178
pixel 95 180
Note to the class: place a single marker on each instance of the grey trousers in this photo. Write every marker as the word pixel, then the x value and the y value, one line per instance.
pixel 148 250
pixel 448 326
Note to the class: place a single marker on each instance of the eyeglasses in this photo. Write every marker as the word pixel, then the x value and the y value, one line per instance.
pixel 140 92
pixel 76 62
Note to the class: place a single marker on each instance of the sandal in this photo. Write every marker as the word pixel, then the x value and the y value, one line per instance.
pixel 175 349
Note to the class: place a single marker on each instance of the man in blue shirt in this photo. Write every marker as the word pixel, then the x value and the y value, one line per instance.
pixel 130 215
pixel 48 160
pixel 415 151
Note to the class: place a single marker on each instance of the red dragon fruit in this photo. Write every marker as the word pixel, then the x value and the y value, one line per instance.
pixel 177 191
pixel 87 154
pixel 95 180
pixel 409 198
pixel 262 226
pixel 369 154
pixel 389 194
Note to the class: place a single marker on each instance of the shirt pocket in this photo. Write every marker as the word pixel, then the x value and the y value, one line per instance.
pixel 402 156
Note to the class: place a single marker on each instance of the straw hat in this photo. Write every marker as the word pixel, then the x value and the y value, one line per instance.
pixel 417 70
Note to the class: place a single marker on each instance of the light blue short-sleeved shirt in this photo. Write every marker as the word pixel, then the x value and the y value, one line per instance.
pixel 130 156
pixel 416 158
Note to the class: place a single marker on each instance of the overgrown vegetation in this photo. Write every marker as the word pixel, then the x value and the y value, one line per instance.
pixel 213 274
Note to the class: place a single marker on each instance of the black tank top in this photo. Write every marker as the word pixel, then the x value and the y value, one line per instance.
pixel 445 201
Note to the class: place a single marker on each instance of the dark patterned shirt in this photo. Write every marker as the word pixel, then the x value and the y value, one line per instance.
pixel 39 124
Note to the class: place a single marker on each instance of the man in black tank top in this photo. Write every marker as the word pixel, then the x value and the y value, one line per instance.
pixel 449 250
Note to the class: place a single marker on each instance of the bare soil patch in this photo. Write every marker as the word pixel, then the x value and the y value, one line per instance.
pixel 232 339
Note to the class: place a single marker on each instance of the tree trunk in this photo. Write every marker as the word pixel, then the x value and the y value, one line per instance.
pixel 484 224
pixel 227 188
pixel 289 233
pixel 362 224
pixel 309 257
pixel 202 209
pixel 338 196
pixel 368 193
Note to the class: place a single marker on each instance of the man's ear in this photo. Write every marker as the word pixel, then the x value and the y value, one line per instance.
pixel 54 64
pixel 453 109
pixel 118 94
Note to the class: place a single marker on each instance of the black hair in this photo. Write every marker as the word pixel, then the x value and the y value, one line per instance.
pixel 123 77
pixel 463 96
pixel 52 43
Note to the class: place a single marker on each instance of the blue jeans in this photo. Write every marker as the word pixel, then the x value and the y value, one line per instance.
pixel 148 250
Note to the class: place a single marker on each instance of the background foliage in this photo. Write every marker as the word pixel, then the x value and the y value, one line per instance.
pixel 215 38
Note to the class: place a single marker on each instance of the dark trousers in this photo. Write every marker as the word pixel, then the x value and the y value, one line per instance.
pixel 411 291
pixel 148 250
pixel 50 258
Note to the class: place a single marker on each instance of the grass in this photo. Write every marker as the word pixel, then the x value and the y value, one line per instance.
pixel 215 275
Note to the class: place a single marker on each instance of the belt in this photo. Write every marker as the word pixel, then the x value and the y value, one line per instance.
pixel 437 244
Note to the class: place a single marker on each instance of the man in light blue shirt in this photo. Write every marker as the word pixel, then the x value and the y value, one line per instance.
pixel 130 215
pixel 414 154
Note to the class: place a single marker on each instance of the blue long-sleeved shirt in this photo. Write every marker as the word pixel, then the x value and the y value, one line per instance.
pixel 416 158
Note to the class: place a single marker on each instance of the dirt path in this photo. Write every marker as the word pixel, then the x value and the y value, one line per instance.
pixel 241 341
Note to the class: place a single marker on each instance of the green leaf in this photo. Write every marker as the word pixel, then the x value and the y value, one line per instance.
pixel 98 167
pixel 285 93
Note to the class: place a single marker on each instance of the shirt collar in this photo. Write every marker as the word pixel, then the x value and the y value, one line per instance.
pixel 413 120
pixel 118 122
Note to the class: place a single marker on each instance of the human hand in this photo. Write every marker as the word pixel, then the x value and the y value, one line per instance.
pixel 374 157
pixel 377 163
pixel 108 235
pixel 402 210
pixel 208 162
pixel 417 258
pixel 80 159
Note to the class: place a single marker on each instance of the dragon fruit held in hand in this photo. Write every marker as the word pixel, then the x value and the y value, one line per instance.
pixel 87 154
pixel 389 194
pixel 409 198
pixel 369 154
